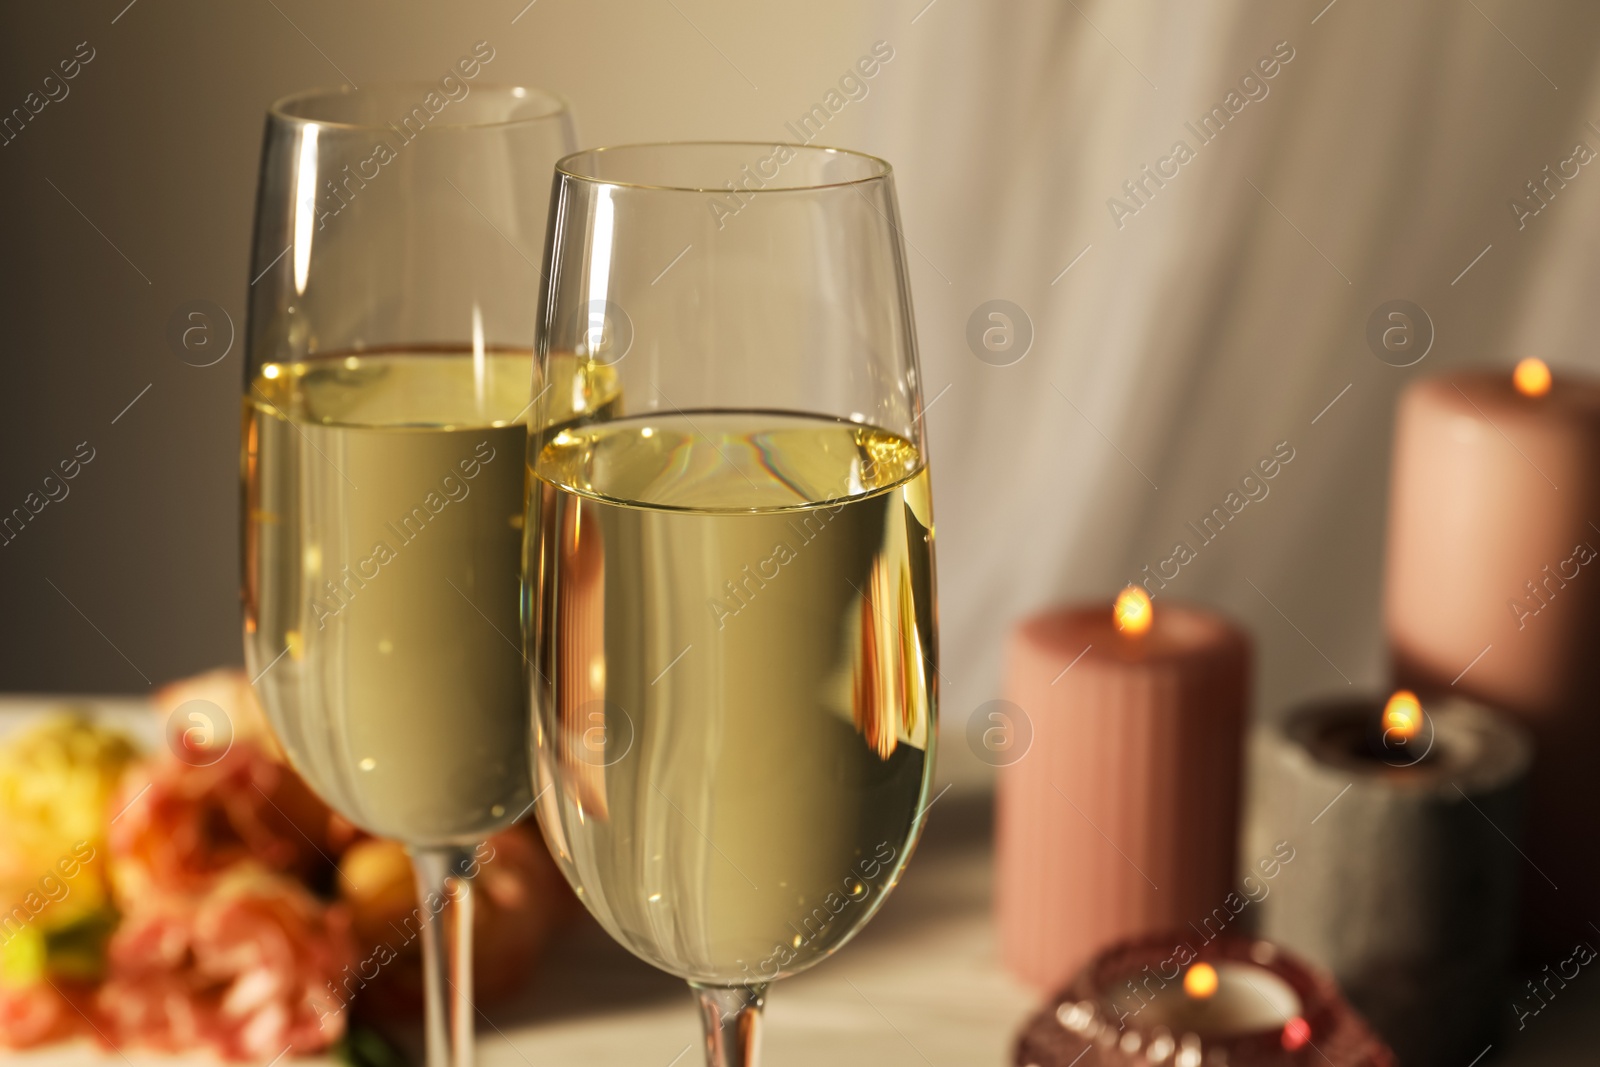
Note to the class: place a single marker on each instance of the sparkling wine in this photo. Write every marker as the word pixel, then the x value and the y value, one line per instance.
pixel 382 546
pixel 731 617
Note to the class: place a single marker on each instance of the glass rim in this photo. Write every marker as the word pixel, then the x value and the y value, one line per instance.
pixel 567 169
pixel 281 109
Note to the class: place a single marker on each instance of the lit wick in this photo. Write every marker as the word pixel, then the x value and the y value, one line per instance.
pixel 1200 981
pixel 1132 612
pixel 1400 727
pixel 1532 377
pixel 1402 716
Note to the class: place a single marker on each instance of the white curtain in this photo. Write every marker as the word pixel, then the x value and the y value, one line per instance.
pixel 1216 317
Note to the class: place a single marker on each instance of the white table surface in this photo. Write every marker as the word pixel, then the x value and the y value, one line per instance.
pixel 920 987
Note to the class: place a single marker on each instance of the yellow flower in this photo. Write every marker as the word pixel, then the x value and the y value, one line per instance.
pixel 56 779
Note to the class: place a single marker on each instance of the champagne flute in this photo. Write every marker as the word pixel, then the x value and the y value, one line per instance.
pixel 386 391
pixel 730 577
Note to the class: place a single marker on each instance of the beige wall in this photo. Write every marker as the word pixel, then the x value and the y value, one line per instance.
pixel 156 143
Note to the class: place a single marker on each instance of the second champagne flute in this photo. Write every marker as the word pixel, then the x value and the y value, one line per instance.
pixel 731 587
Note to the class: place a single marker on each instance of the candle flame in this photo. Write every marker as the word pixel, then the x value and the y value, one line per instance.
pixel 1133 613
pixel 1402 716
pixel 1200 981
pixel 1532 377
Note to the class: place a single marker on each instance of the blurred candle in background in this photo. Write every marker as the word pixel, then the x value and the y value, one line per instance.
pixel 1121 818
pixel 1403 885
pixel 1492 591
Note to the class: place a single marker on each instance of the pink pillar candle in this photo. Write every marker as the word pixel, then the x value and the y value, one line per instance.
pixel 1122 816
pixel 1493 592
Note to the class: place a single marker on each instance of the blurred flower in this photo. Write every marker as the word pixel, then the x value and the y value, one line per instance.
pixel 521 900
pixel 376 881
pixel 215 863
pixel 55 780
pixel 243 969
pixel 230 690
pixel 46 975
pixel 40 1013
pixel 182 826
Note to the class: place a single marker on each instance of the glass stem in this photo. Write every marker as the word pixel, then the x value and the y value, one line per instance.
pixel 732 1018
pixel 443 875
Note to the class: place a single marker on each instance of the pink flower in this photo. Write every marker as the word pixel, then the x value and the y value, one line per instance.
pixel 244 969
pixel 182 826
pixel 36 1014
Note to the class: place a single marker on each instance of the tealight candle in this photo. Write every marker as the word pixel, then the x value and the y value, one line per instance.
pixel 1493 592
pixel 1236 1002
pixel 1225 1000
pixel 1403 884
pixel 1122 817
